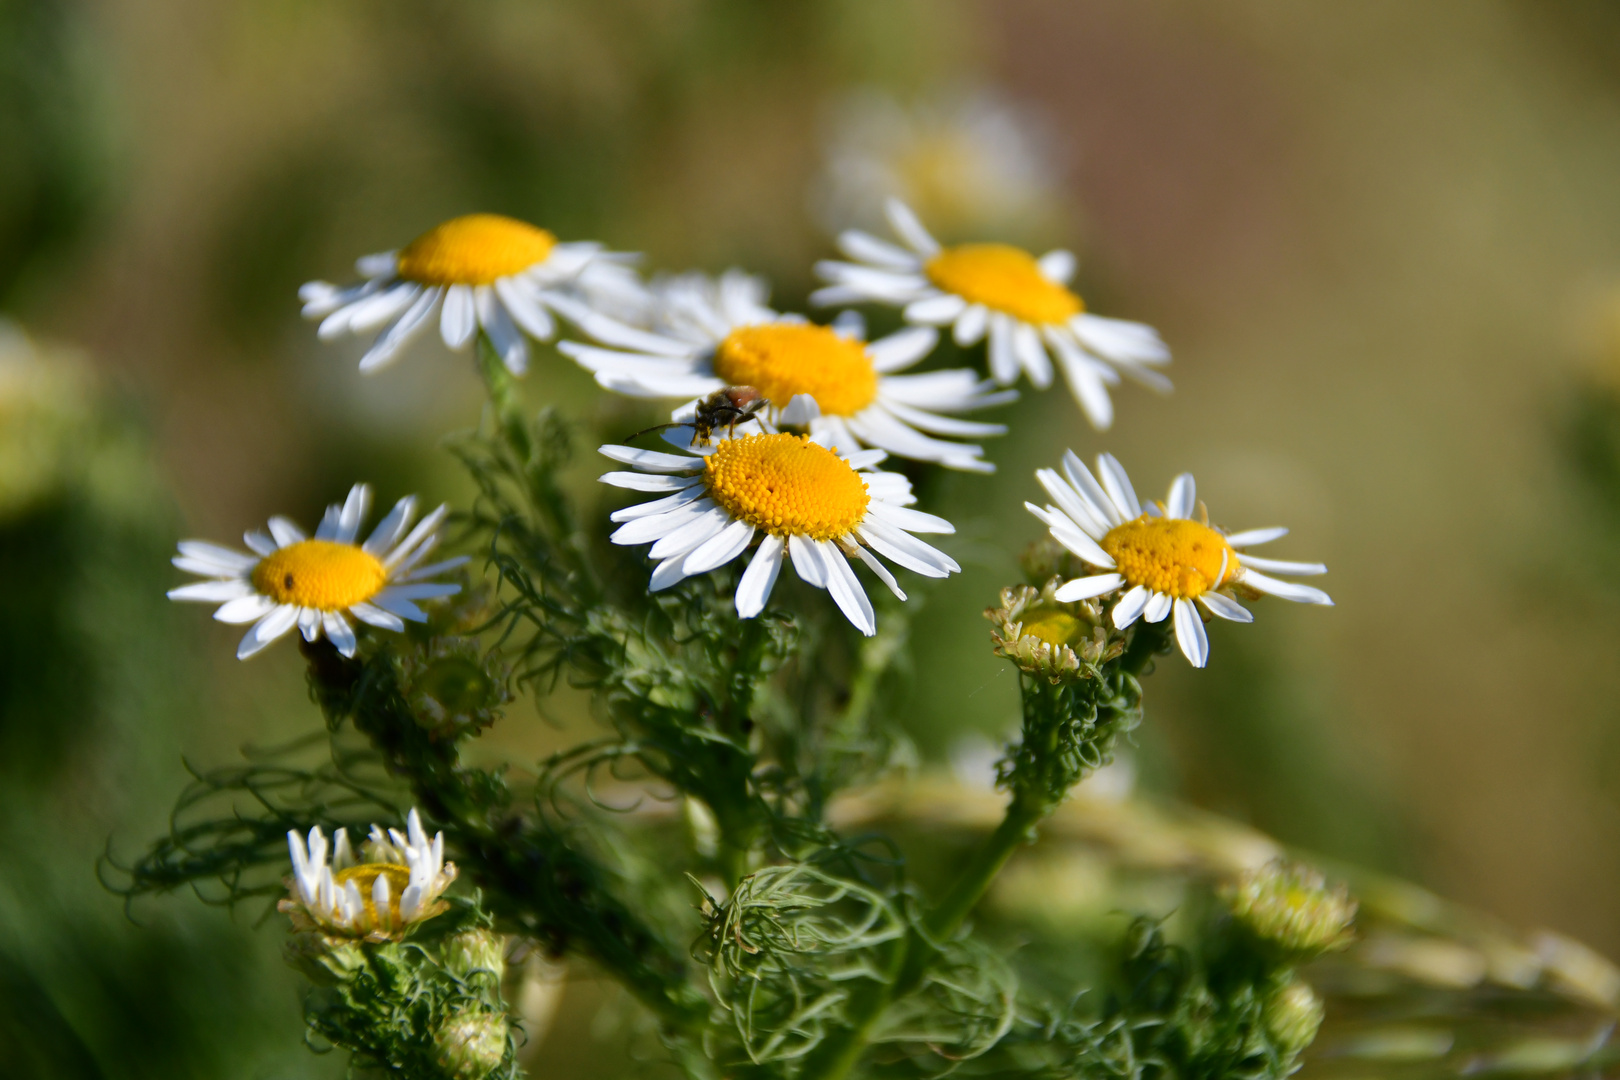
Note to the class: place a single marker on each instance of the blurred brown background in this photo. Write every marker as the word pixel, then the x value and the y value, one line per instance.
pixel 1382 239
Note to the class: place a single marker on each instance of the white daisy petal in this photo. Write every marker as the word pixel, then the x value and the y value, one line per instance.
pixel 807 561
pixel 1255 537
pixel 879 569
pixel 1190 633
pixel 227 560
pixel 376 616
pixel 339 632
pixel 754 590
pixel 1183 497
pixel 407 326
pixel 908 228
pixel 864 247
pixel 245 609
pixel 1087 588
pixel 1225 607
pixel 1286 590
pixel 719 549
pixel 634 481
pixel 1087 487
pixel 913 521
pixel 1026 344
pixel 936 310
pixel 1058 265
pixel 1158 606
pixel 846 590
pixel 902 349
pixel 1283 566
pixel 905 550
pixel 458 321
pixel 212 591
pixel 683 539
pixel 971 325
pixel 651 460
pixel 1130 606
pixel 659 506
pixel 1118 486
pixel 1003 356
pixel 282 618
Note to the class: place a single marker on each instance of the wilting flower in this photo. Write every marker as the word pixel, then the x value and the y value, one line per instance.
pixel 1022 303
pixel 719 334
pixel 481 270
pixel 814 506
pixel 396 886
pixel 293 580
pixel 1163 558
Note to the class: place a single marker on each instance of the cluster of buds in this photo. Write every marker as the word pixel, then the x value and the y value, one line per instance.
pixel 1050 640
pixel 1291 910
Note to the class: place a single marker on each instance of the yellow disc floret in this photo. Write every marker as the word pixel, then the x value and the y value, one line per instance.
pixel 781 360
pixel 474 250
pixel 1003 278
pixel 1182 558
pixel 1054 628
pixel 786 485
pixel 365 878
pixel 320 574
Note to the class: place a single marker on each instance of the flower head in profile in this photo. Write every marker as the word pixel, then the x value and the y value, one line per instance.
pixel 478 271
pixel 815 508
pixel 1165 559
pixel 969 159
pixel 713 335
pixel 393 883
pixel 1022 303
pixel 315 584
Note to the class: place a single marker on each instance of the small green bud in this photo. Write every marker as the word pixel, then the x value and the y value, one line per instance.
pixel 471 1044
pixel 1293 1015
pixel 1290 908
pixel 473 951
pixel 325 960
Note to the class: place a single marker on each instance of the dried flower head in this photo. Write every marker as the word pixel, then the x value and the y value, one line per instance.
pixel 1290 908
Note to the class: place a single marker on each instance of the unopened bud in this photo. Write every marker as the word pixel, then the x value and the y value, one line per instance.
pixel 1293 1015
pixel 324 959
pixel 1291 909
pixel 473 951
pixel 471 1044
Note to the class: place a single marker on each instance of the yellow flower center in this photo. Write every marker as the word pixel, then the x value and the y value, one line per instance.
pixel 365 878
pixel 783 359
pixel 1179 557
pixel 320 574
pixel 1003 278
pixel 786 485
pixel 474 250
pixel 1054 628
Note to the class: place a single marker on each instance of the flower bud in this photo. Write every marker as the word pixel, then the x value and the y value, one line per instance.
pixel 471 1044
pixel 1293 1015
pixel 473 951
pixel 1291 909
pixel 325 960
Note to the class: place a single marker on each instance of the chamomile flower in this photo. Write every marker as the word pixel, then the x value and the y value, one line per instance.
pixel 814 506
pixel 394 883
pixel 481 270
pixel 1022 303
pixel 1164 558
pixel 714 335
pixel 293 580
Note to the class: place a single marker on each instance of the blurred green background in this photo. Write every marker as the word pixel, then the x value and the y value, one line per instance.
pixel 1382 239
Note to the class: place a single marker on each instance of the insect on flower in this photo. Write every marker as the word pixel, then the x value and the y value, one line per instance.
pixel 729 406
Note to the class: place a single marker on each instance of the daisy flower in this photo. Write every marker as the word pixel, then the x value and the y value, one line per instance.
pixel 397 884
pixel 481 270
pixel 1022 303
pixel 713 335
pixel 1164 558
pixel 292 580
pixel 812 504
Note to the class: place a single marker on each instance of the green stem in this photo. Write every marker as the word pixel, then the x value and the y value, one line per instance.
pixel 504 400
